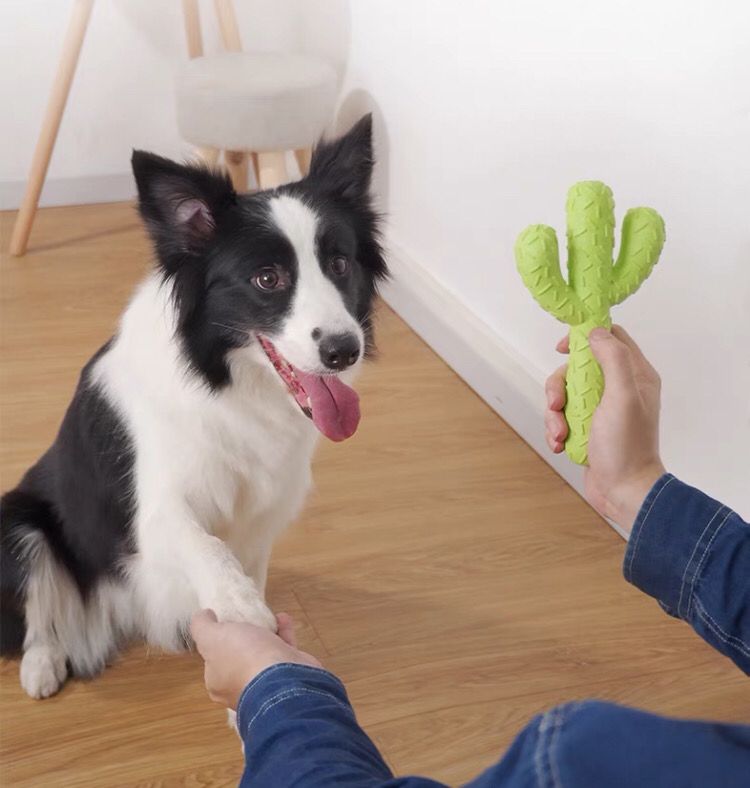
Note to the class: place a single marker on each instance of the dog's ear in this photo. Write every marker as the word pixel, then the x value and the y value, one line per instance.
pixel 180 204
pixel 344 166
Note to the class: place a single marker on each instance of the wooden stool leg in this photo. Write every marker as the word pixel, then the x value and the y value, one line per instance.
pixel 209 156
pixel 51 124
pixel 272 168
pixel 236 163
pixel 303 156
pixel 256 168
pixel 230 32
pixel 191 15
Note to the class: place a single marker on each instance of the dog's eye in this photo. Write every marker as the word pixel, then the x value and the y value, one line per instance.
pixel 269 279
pixel 339 265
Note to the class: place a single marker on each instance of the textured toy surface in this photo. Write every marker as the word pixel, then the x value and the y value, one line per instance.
pixel 594 284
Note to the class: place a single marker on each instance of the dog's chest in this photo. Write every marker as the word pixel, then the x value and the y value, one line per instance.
pixel 249 464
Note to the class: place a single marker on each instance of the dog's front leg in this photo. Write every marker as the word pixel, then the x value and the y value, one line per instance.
pixel 222 586
pixel 213 571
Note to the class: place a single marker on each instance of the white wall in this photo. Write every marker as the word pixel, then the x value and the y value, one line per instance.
pixel 487 111
pixel 492 109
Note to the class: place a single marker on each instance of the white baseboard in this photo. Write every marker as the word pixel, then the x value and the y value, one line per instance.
pixel 72 191
pixel 506 381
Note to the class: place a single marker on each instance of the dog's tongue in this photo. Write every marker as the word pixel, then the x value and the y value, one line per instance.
pixel 335 406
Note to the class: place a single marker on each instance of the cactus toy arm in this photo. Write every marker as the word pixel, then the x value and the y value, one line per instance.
pixel 642 239
pixel 594 284
pixel 539 265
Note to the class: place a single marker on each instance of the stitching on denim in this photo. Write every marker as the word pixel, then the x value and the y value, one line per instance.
pixel 256 680
pixel 690 560
pixel 313 669
pixel 643 526
pixel 263 673
pixel 280 697
pixel 294 666
pixel 699 567
pixel 731 640
pixel 724 637
pixel 544 764
pixel 282 666
pixel 554 765
pixel 544 725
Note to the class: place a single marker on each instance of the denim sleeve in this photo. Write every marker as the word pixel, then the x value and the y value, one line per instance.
pixel 692 554
pixel 593 744
pixel 298 729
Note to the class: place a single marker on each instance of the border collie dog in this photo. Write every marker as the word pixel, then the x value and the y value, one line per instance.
pixel 186 448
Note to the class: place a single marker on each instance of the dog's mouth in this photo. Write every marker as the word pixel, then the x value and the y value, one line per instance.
pixel 326 399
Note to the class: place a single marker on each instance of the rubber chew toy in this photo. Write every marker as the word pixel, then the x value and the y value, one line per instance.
pixel 594 285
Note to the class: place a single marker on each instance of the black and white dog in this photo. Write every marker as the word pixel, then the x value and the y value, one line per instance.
pixel 187 446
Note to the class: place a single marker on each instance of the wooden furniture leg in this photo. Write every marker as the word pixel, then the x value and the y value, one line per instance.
pixel 236 163
pixel 230 33
pixel 209 156
pixel 51 124
pixel 303 156
pixel 191 14
pixel 256 168
pixel 272 168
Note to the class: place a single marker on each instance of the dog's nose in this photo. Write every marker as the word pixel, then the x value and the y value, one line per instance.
pixel 339 351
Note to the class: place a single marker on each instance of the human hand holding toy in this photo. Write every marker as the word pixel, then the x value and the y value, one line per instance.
pixel 595 283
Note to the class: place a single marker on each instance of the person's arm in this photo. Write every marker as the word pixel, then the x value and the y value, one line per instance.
pixel 685 549
pixel 299 728
pixel 692 554
pixel 591 744
pixel 295 720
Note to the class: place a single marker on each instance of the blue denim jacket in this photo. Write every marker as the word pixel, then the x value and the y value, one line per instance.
pixel 688 551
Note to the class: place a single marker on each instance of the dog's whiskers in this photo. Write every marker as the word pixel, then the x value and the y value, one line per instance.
pixel 244 332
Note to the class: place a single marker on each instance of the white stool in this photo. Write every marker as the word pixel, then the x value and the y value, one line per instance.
pixel 259 105
pixel 255 105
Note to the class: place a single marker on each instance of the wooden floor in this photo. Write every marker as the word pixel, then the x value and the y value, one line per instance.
pixel 452 580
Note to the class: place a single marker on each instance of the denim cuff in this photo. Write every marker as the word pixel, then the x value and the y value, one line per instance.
pixel 670 542
pixel 283 682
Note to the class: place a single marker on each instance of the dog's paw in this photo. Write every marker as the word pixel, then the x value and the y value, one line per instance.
pixel 43 671
pixel 240 601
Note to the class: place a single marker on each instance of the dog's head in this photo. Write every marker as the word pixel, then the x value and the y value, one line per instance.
pixel 283 277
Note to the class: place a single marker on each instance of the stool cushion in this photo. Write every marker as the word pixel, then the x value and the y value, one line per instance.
pixel 256 101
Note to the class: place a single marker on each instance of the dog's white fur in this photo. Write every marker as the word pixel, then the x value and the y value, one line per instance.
pixel 217 476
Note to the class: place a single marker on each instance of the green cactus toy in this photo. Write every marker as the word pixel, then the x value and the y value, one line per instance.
pixel 594 285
